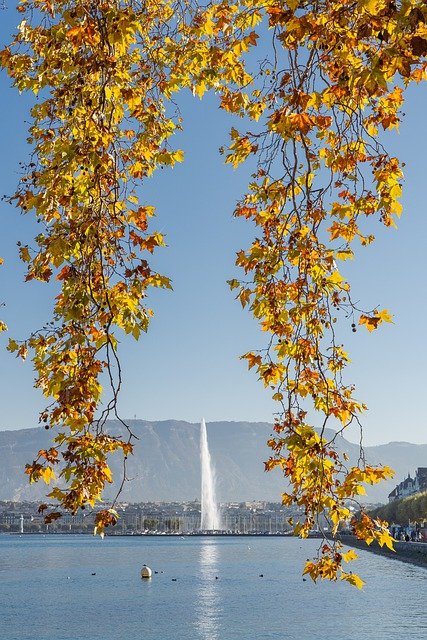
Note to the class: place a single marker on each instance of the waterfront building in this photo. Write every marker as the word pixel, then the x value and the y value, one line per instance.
pixel 409 485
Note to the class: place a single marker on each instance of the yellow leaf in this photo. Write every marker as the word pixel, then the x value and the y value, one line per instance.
pixel 385 316
pixel 24 254
pixel 353 579
pixel 349 556
pixel 48 475
pixel 345 254
pixel 108 474
pixel 384 538
pixel 12 345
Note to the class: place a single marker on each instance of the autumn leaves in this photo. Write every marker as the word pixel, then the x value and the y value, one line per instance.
pixel 329 81
pixel 99 127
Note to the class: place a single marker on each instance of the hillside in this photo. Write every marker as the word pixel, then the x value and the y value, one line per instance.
pixel 166 465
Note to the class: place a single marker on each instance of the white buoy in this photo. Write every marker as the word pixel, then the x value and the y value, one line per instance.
pixel 146 572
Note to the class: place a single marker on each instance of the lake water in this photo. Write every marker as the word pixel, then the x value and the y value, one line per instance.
pixel 48 592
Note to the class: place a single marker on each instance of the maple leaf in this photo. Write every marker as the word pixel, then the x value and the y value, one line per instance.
pixel 371 322
pixel 353 579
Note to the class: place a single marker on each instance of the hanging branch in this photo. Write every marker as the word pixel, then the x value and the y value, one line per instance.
pixel 334 79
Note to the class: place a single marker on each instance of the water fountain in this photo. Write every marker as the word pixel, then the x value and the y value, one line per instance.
pixel 211 520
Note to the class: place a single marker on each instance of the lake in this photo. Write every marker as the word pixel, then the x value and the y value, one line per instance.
pixel 48 592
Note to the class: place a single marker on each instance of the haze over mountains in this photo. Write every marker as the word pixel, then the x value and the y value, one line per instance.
pixel 166 466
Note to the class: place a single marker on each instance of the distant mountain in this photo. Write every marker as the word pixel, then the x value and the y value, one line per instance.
pixel 165 465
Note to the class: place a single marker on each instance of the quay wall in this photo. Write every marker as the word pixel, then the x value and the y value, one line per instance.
pixel 412 552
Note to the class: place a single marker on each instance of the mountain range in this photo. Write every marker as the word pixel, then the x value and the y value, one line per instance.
pixel 166 467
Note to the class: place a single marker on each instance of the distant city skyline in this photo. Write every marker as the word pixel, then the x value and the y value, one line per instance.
pixel 188 366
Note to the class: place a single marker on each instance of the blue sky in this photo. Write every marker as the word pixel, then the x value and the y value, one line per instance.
pixel 187 366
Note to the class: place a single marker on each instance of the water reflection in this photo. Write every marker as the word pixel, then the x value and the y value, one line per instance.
pixel 208 609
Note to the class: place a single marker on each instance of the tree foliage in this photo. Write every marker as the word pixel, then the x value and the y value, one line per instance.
pixel 409 509
pixel 331 79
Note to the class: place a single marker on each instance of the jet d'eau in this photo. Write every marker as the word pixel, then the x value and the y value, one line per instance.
pixel 210 517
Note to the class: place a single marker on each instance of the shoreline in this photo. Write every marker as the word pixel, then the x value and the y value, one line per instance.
pixel 196 534
pixel 410 552
pixel 414 553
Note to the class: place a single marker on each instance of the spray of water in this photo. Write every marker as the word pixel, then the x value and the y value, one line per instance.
pixel 210 514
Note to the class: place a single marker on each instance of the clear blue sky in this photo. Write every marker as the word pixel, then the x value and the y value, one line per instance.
pixel 187 365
